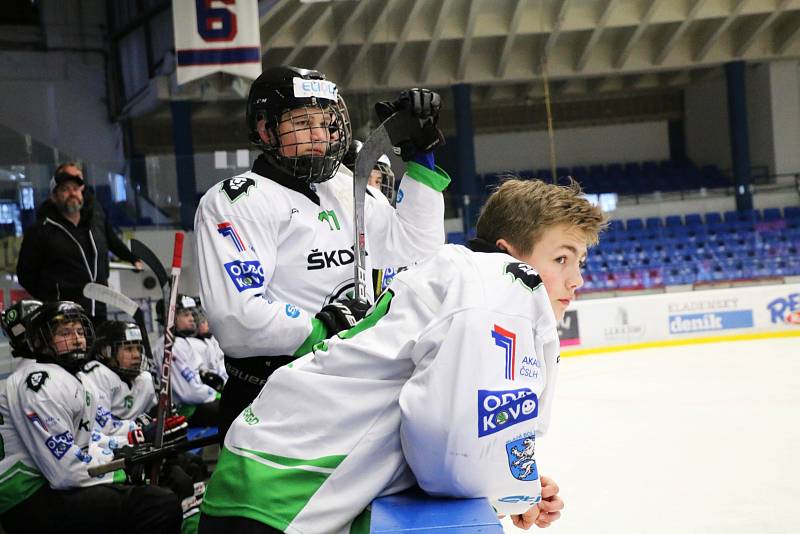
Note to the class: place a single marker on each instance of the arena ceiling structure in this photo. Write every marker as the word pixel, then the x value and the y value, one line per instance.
pixel 632 56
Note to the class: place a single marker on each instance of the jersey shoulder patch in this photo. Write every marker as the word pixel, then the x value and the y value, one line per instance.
pixel 237 187
pixel 89 367
pixel 524 273
pixel 35 381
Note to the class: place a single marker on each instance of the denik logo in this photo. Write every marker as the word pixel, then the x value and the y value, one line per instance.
pixel 226 229
pixel 704 322
pixel 498 410
pixel 785 310
pixel 508 342
pixel 245 274
pixel 521 458
pixel 292 311
pixel 400 195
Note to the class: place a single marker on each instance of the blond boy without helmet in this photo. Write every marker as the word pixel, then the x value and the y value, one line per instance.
pixel 447 382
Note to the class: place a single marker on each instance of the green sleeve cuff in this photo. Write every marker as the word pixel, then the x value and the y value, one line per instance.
pixel 437 180
pixel 119 477
pixel 318 333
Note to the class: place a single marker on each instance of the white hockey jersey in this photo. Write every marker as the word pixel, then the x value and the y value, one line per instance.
pixel 463 350
pixel 210 354
pixel 55 417
pixel 19 476
pixel 187 388
pixel 273 254
pixel 115 397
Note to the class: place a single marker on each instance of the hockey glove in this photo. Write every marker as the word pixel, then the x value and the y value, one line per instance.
pixel 423 104
pixel 212 380
pixel 174 431
pixel 343 315
pixel 133 471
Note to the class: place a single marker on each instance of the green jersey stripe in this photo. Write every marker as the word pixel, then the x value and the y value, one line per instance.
pixel 274 496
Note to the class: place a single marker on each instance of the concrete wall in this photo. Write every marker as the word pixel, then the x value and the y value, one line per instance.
pixel 58 95
pixel 574 146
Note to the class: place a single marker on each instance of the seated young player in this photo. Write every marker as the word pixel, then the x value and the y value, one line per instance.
pixel 459 356
pixel 118 378
pixel 54 416
pixel 206 347
pixel 198 402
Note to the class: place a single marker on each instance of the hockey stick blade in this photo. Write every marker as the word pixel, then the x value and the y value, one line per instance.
pixel 142 251
pixel 397 127
pixel 110 297
pixel 153 454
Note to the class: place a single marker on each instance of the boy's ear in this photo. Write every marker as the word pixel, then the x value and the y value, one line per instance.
pixel 505 246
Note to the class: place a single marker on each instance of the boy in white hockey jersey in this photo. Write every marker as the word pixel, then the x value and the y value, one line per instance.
pixel 197 401
pixel 277 241
pixel 448 381
pixel 55 419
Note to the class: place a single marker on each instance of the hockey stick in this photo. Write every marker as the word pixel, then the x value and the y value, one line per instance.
pixel 121 302
pixel 152 455
pixel 379 142
pixel 150 259
pixel 164 393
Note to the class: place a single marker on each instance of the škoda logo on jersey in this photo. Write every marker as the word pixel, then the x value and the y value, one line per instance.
pixel 498 410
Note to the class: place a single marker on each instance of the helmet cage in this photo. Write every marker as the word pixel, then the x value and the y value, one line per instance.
pixel 118 336
pixel 280 90
pixel 387 180
pixel 62 333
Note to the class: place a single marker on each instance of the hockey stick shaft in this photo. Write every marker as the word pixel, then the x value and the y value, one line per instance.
pixel 397 127
pixel 150 259
pixel 152 455
pixel 164 393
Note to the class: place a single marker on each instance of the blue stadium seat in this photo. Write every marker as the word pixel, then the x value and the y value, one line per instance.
pixel 713 217
pixel 693 219
pixel 792 212
pixel 673 221
pixel 634 225
pixel 653 222
pixel 772 214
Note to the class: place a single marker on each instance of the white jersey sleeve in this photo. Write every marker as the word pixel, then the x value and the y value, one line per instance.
pixel 54 415
pixel 107 388
pixel 414 229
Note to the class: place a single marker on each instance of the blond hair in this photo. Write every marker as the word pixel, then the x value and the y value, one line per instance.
pixel 519 211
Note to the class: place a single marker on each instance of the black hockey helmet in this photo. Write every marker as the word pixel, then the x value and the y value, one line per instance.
pixel 281 89
pixel 15 325
pixel 111 337
pixel 62 333
pixel 182 303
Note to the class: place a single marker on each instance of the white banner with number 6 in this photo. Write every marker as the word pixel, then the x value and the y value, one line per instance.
pixel 216 36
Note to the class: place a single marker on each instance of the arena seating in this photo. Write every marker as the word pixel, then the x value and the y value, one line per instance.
pixel 630 178
pixel 695 249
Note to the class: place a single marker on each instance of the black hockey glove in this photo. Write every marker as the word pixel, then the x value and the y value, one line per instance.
pixel 133 471
pixel 343 315
pixel 423 104
pixel 212 380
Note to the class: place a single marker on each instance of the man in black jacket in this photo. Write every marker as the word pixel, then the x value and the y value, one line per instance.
pixel 69 244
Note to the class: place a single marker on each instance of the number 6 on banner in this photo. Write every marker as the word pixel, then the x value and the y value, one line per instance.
pixel 215 24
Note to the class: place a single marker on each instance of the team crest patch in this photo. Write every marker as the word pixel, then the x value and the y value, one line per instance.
pixel 521 458
pixel 523 272
pixel 35 381
pixel 237 187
